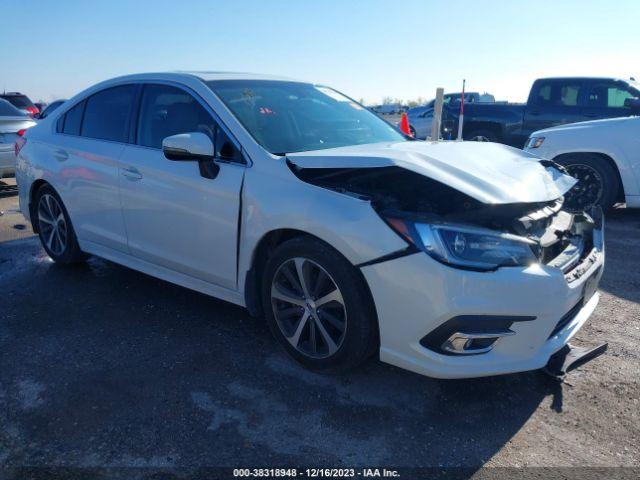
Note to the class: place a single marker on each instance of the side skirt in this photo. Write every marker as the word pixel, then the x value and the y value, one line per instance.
pixel 162 273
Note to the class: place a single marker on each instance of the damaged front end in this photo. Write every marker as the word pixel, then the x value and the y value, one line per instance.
pixel 464 232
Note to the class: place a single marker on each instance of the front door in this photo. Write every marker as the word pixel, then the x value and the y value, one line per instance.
pixel 606 99
pixel 555 102
pixel 175 217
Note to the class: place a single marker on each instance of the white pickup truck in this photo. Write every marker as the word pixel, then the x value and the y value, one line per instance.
pixel 604 155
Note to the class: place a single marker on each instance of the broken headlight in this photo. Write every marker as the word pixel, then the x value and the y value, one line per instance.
pixel 467 247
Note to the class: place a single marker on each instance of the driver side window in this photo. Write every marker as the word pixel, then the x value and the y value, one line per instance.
pixel 608 95
pixel 166 111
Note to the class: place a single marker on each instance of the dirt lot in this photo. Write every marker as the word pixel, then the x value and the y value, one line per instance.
pixel 101 366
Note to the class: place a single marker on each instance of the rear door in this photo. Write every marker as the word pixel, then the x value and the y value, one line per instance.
pixel 175 216
pixel 605 99
pixel 91 138
pixel 553 102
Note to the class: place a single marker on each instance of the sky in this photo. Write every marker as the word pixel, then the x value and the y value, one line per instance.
pixel 368 49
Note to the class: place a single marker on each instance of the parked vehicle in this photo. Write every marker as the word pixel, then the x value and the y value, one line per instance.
pixel 296 202
pixel 21 102
pixel 604 156
pixel 50 108
pixel 552 101
pixel 469 97
pixel 421 118
pixel 13 123
pixel 388 109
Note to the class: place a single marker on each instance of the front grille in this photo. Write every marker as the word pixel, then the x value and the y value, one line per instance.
pixel 567 318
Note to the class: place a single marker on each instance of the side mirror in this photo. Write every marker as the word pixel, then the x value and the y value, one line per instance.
pixel 632 103
pixel 192 147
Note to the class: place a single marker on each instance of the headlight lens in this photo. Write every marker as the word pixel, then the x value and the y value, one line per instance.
pixel 467 247
pixel 535 142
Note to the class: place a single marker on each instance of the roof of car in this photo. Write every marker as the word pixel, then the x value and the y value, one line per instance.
pixel 205 76
pixel 215 75
pixel 584 78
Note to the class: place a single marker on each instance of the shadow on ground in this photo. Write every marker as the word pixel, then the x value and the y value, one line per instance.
pixel 103 366
pixel 622 235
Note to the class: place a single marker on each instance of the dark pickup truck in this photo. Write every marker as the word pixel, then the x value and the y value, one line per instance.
pixel 552 101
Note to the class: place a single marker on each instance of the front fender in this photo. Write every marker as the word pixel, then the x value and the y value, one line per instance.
pixel 348 224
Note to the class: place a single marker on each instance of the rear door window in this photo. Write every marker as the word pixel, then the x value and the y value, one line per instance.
pixel 107 114
pixel 569 95
pixel 558 94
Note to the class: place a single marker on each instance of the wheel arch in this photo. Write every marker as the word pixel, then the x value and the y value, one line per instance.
pixel 472 126
pixel 608 159
pixel 35 186
pixel 265 246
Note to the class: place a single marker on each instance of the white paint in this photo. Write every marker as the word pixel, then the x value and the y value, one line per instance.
pixel 618 138
pixel 178 226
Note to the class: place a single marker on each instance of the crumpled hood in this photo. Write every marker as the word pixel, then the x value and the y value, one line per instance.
pixel 489 172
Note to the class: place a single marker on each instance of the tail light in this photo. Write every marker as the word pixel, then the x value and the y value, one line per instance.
pixel 20 142
pixel 33 110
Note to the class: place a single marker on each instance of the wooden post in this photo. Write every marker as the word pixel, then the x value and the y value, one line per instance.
pixel 437 115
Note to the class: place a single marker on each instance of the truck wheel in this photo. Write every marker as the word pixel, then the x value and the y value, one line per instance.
pixel 317 306
pixel 481 135
pixel 597 182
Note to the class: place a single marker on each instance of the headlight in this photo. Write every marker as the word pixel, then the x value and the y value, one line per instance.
pixel 535 142
pixel 467 247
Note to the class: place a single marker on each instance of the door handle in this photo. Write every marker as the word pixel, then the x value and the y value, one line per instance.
pixel 61 155
pixel 535 114
pixel 132 173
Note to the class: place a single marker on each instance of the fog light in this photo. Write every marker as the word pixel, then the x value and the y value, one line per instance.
pixel 465 343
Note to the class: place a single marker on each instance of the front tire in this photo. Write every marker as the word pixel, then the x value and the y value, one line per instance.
pixel 317 306
pixel 597 182
pixel 54 227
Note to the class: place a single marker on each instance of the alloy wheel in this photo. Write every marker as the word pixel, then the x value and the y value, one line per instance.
pixel 308 308
pixel 589 189
pixel 52 224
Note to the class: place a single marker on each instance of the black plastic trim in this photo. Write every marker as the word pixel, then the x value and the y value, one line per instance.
pixel 410 250
pixel 469 324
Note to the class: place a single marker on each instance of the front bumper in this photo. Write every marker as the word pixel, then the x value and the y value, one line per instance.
pixel 415 294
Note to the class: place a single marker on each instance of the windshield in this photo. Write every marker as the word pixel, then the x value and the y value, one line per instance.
pixel 286 117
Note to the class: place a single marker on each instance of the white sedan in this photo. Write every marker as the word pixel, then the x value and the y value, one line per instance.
pixel 604 155
pixel 450 259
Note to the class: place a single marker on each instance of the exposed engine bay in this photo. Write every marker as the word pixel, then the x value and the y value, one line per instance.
pixel 562 239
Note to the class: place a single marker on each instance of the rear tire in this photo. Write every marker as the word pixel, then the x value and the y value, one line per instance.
pixel 55 230
pixel 325 335
pixel 597 181
pixel 481 135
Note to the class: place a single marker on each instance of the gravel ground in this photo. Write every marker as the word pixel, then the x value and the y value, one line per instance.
pixel 103 367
